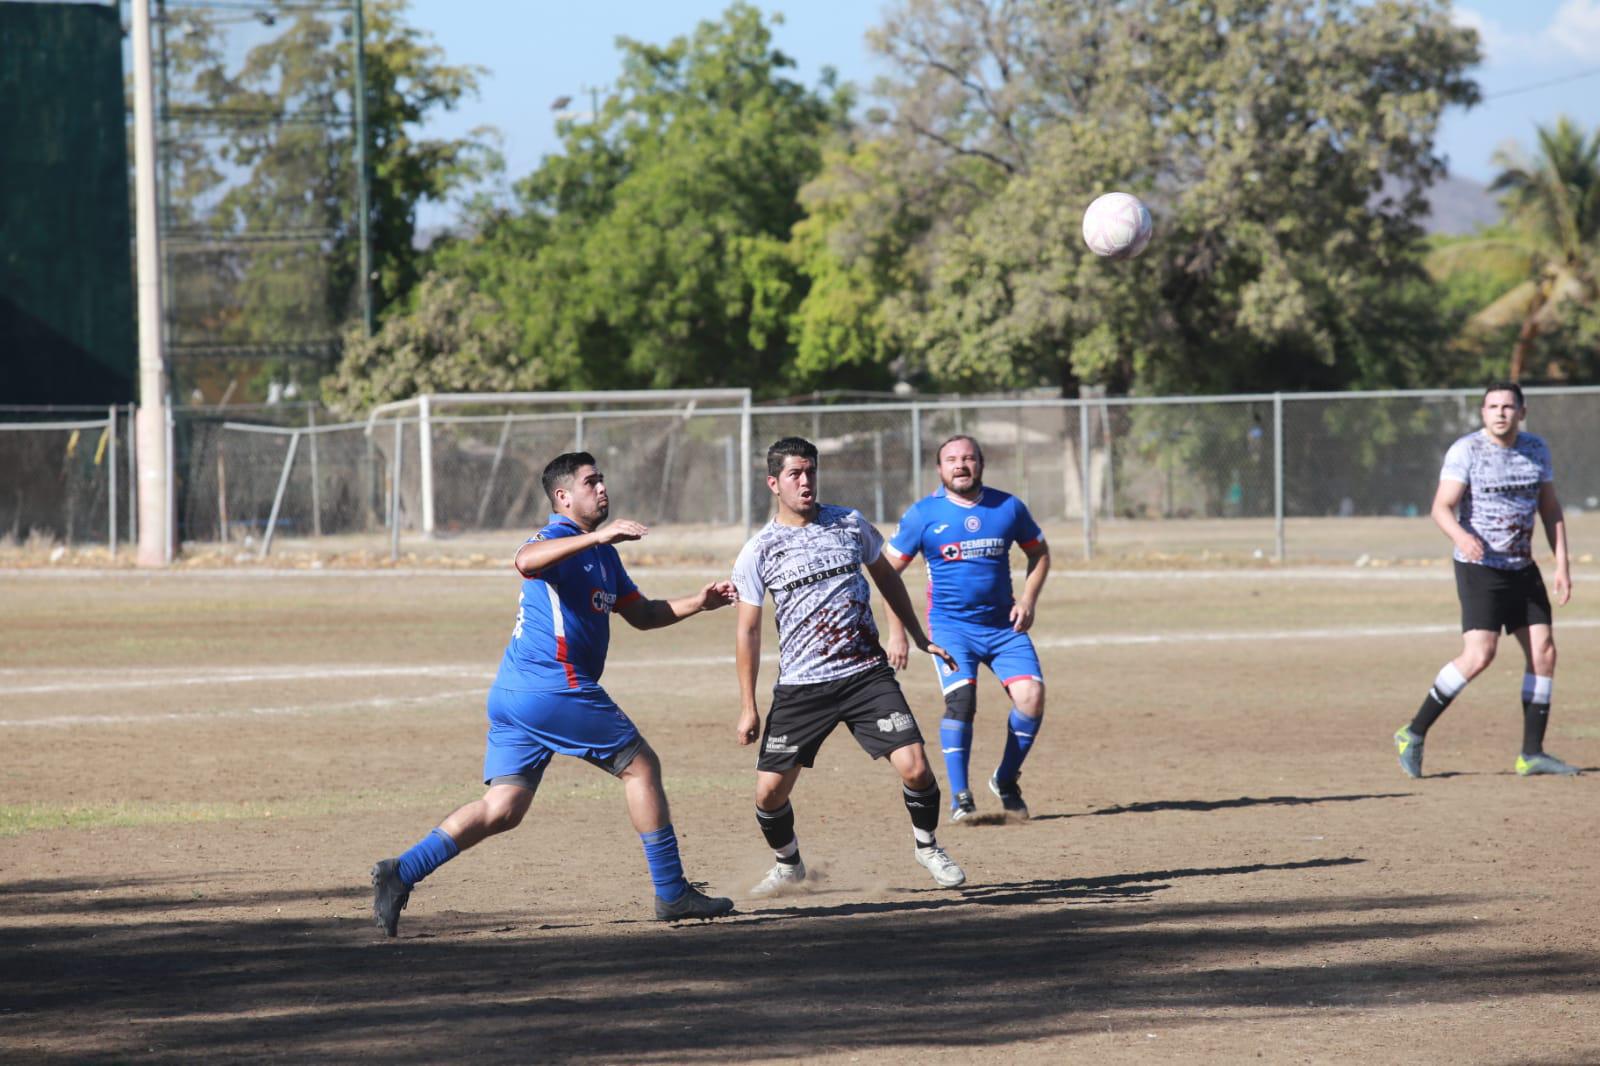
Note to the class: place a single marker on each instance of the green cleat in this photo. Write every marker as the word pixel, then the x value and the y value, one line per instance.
pixel 1528 765
pixel 1409 747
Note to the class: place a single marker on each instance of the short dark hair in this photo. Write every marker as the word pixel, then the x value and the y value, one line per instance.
pixel 559 472
pixel 783 448
pixel 939 451
pixel 1505 386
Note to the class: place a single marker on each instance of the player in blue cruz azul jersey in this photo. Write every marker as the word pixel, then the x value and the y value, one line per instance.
pixel 831 668
pixel 547 697
pixel 1493 483
pixel 965 531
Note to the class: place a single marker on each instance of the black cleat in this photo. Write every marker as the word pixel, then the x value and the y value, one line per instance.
pixel 389 896
pixel 962 807
pixel 1010 794
pixel 692 904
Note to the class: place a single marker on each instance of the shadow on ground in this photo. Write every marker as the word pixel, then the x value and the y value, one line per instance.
pixel 1156 806
pixel 998 963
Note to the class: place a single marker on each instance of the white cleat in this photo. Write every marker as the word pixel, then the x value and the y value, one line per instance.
pixel 782 879
pixel 943 868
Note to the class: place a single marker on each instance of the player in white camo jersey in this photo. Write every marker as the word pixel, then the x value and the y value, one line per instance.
pixel 831 668
pixel 1493 484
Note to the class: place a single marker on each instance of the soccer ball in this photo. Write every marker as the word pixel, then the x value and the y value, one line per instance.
pixel 1117 226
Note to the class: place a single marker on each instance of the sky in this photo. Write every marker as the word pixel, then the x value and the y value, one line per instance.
pixel 533 52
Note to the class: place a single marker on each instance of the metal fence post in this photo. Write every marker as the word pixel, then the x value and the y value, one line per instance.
pixel 916 452
pixel 577 433
pixel 133 475
pixel 277 498
pixel 1022 453
pixel 171 538
pixel 730 474
pixel 111 471
pixel 877 476
pixel 394 491
pixel 316 490
pixel 747 484
pixel 425 461
pixel 1086 491
pixel 1109 481
pixel 494 469
pixel 1277 473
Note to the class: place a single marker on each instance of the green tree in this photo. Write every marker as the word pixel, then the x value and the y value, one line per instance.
pixel 1553 203
pixel 452 340
pixel 262 187
pixel 651 251
pixel 1260 132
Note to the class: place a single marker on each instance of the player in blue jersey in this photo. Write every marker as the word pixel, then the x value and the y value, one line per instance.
pixel 547 697
pixel 965 531
pixel 1494 482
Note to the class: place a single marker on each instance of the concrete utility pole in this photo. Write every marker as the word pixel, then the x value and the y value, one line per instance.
pixel 155 529
pixel 363 177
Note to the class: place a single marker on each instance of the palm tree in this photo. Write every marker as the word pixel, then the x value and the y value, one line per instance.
pixel 1553 204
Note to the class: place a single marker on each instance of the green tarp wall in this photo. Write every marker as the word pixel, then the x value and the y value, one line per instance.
pixel 66 276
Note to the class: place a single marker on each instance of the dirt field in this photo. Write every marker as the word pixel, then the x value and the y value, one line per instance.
pixel 1225 862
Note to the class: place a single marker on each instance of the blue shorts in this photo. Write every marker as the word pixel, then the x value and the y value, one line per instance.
pixel 1007 653
pixel 526 728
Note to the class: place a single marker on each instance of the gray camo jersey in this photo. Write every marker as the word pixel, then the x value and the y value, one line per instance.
pixel 1502 497
pixel 824 610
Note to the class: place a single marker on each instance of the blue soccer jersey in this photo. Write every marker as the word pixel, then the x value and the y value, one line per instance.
pixel 968 549
pixel 564 618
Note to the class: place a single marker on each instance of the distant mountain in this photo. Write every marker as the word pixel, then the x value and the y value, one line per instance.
pixel 1460 206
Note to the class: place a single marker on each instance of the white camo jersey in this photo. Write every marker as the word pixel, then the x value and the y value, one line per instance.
pixel 824 611
pixel 1502 494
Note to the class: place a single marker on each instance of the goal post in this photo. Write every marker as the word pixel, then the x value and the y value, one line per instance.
pixel 648 439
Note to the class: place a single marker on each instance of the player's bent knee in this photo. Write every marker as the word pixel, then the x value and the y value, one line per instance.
pixel 500 814
pixel 645 765
pixel 961 703
pixel 1027 697
pixel 912 763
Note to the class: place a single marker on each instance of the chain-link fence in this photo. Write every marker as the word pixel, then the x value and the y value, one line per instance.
pixel 66 476
pixel 1149 474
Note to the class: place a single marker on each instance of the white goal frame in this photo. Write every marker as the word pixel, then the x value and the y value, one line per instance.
pixel 683 402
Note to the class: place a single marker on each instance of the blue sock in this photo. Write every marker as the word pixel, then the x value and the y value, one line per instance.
pixel 426 856
pixel 955 742
pixel 1020 731
pixel 666 869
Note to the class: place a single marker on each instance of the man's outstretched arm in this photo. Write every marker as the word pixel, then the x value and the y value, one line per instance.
pixel 653 614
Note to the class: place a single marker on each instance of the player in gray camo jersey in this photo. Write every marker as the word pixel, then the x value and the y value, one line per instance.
pixel 1493 483
pixel 831 668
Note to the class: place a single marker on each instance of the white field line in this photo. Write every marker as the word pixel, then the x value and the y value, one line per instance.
pixel 243 678
pixel 1347 572
pixel 1241 635
pixel 293 711
pixel 1108 640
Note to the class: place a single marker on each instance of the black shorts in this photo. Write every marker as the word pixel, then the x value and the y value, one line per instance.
pixel 869 703
pixel 1496 599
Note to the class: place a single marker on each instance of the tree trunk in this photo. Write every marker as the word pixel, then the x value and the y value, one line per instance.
pixel 1527 334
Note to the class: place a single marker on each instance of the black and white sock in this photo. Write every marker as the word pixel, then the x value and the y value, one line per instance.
pixel 1446 687
pixel 1535 711
pixel 778 827
pixel 923 806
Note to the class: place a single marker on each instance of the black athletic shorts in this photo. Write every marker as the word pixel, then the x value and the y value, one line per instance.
pixel 1496 599
pixel 869 703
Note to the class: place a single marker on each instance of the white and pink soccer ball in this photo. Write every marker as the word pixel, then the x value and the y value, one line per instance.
pixel 1117 226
